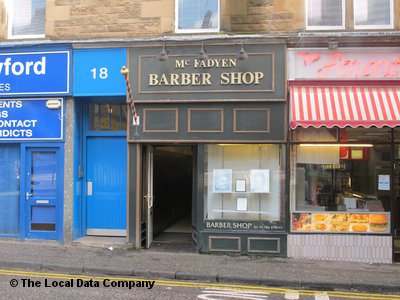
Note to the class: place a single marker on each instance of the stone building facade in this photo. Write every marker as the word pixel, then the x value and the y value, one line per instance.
pixel 276 33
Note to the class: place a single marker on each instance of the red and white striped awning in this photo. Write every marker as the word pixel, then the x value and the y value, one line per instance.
pixel 343 106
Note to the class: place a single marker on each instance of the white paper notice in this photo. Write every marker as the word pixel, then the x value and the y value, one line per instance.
pixel 384 182
pixel 241 204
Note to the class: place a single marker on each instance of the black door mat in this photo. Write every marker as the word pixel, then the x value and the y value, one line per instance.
pixel 173 242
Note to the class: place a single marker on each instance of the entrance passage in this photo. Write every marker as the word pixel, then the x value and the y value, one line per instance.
pixel 172 204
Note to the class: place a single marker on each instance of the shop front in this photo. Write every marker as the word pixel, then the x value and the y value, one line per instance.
pixel 344 178
pixel 32 116
pixel 100 159
pixel 207 151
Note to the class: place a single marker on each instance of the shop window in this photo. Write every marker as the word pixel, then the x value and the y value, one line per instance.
pixel 397 135
pixel 244 182
pixel 325 14
pixel 9 189
pixel 315 134
pixel 107 117
pixel 396 180
pixel 373 14
pixel 331 14
pixel 197 16
pixel 365 135
pixel 26 18
pixel 44 174
pixel 342 187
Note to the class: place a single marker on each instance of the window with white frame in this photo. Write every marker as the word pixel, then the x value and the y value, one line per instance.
pixel 373 14
pixel 26 18
pixel 325 14
pixel 197 16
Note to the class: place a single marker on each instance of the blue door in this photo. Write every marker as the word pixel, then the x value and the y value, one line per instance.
pixel 106 186
pixel 42 194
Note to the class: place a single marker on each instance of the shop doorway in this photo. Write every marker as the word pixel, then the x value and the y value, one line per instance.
pixel 168 198
pixel 106 186
pixel 104 169
pixel 42 192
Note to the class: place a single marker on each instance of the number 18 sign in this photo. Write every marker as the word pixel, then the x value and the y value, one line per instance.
pixel 97 72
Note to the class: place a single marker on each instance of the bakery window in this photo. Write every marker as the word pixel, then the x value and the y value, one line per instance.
pixel 244 182
pixel 340 180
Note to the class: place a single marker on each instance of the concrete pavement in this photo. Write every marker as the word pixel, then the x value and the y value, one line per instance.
pixel 270 271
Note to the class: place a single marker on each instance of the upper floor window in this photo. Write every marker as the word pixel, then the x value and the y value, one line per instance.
pixel 373 14
pixel 26 18
pixel 197 16
pixel 325 14
pixel 331 14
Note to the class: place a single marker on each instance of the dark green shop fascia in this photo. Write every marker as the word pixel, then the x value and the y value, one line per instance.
pixel 251 110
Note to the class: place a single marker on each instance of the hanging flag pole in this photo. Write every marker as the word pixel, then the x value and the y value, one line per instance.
pixel 131 103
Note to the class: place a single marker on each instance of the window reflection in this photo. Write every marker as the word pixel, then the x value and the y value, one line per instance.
pixel 9 188
pixel 28 17
pixel 107 117
pixel 325 13
pixel 198 15
pixel 333 178
pixel 365 135
pixel 373 13
pixel 244 182
pixel 44 174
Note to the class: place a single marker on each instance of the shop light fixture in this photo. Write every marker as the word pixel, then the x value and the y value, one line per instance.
pixel 242 55
pixel 337 145
pixel 203 53
pixel 377 133
pixel 163 55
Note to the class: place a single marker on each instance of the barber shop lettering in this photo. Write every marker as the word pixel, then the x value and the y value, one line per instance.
pixel 202 78
pixel 228 225
pixel 252 225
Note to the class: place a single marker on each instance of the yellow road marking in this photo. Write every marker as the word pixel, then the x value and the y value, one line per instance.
pixel 160 282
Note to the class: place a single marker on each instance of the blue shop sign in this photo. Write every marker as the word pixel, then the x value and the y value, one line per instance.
pixel 34 73
pixel 97 72
pixel 31 119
